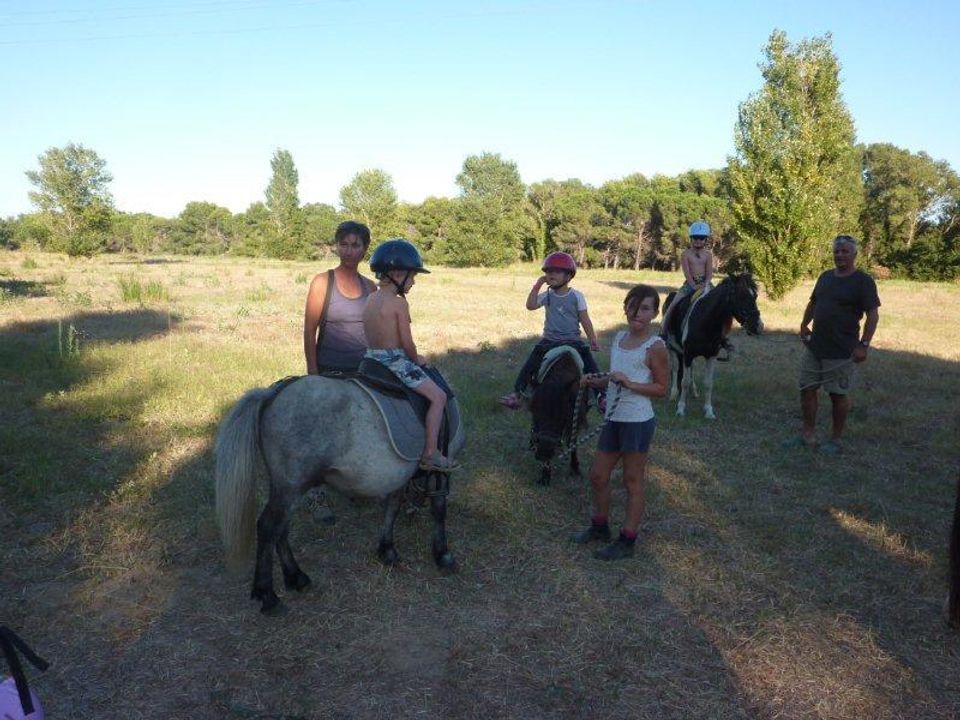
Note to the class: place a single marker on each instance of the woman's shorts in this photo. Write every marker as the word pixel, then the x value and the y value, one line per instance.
pixel 400 365
pixel 627 437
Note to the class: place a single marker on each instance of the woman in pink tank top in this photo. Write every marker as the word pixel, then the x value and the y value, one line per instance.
pixel 333 336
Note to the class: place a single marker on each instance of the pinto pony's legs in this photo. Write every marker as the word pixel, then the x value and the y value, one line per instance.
pixel 686 375
pixel 391 506
pixel 708 389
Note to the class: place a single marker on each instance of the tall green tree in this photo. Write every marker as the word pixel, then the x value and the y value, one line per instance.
pixel 72 191
pixel 370 198
pixel 492 189
pixel 283 203
pixel 795 177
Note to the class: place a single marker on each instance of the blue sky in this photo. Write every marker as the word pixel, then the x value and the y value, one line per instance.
pixel 189 100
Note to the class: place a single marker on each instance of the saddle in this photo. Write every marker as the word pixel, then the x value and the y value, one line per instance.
pixel 404 411
pixel 551 358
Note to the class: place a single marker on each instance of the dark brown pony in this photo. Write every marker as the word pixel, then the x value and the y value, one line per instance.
pixel 552 407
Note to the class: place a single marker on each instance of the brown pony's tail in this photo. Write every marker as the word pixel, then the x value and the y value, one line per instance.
pixel 953 600
pixel 237 456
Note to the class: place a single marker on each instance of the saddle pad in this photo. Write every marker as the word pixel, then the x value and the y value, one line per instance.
pixel 404 428
pixel 694 299
pixel 555 354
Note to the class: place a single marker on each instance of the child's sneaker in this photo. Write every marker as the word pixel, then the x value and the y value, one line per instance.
pixel 619 549
pixel 591 534
pixel 511 400
pixel 438 463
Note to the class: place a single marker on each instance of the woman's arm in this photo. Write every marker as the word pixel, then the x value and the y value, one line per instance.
pixel 312 315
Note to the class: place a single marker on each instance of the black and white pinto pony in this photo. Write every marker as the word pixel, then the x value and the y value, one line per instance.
pixel 302 433
pixel 554 405
pixel 734 298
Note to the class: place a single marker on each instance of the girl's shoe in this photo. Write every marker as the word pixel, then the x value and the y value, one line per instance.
pixel 511 400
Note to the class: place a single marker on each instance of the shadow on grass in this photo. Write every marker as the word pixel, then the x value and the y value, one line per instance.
pixel 767 582
pixel 22 288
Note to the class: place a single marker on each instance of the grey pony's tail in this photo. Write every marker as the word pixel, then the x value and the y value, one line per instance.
pixel 238 455
pixel 953 600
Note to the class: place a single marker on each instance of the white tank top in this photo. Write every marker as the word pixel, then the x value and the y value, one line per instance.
pixel 631 406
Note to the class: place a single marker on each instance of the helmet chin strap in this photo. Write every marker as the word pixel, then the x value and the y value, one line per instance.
pixel 401 285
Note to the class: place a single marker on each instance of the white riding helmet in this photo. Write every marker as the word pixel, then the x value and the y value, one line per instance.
pixel 699 229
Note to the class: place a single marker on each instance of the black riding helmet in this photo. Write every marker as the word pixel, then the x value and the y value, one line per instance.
pixel 397 254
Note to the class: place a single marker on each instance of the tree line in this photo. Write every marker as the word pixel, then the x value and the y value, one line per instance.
pixel 796 178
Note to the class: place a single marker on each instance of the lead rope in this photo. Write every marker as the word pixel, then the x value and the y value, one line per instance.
pixel 574 443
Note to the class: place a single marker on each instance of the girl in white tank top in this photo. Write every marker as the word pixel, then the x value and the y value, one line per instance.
pixel 638 371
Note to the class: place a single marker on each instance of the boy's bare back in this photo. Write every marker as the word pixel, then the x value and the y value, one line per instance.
pixel 383 316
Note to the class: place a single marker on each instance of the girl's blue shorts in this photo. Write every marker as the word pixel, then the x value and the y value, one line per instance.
pixel 627 437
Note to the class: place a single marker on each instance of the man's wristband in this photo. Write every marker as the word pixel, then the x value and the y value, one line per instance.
pixel 865 343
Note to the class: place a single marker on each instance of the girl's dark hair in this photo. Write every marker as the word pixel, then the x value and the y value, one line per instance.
pixel 639 293
pixel 350 227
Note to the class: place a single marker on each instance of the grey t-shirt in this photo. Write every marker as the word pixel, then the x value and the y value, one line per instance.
pixel 561 322
pixel 839 305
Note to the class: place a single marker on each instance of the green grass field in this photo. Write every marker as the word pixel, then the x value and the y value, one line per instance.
pixel 768 583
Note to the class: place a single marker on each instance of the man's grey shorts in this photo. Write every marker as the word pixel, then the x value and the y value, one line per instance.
pixel 836 376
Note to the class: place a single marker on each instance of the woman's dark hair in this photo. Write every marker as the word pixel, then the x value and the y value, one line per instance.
pixel 639 293
pixel 351 227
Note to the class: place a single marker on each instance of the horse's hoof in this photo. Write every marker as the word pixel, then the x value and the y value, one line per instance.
pixel 710 416
pixel 389 556
pixel 299 582
pixel 269 602
pixel 447 564
pixel 680 413
pixel 273 609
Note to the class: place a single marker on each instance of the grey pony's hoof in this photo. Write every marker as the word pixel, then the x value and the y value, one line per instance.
pixel 447 564
pixel 299 582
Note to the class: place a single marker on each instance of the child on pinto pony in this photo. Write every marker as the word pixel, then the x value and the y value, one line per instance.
pixel 697 265
pixel 566 312
pixel 386 324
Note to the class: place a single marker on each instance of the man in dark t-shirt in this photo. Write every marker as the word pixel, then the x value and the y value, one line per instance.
pixel 840 299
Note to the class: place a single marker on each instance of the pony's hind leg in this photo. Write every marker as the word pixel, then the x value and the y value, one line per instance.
pixel 391 506
pixel 438 508
pixel 269 525
pixel 293 577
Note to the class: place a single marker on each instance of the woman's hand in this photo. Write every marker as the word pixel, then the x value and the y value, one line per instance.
pixel 619 377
